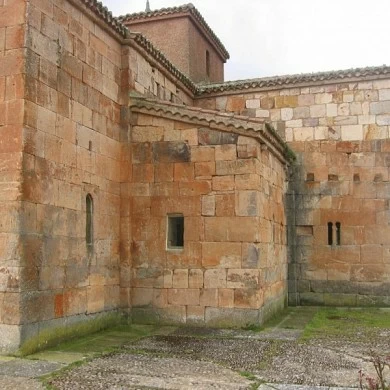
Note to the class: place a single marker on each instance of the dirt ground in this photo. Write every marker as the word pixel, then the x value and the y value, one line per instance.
pixel 286 352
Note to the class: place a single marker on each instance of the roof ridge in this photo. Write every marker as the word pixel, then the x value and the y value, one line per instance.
pixel 287 80
pixel 172 10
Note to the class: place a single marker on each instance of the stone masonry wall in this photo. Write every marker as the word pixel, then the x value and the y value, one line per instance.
pixel 148 80
pixel 12 68
pixel 71 148
pixel 340 133
pixel 232 270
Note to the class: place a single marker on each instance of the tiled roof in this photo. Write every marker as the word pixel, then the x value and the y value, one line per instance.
pixel 159 56
pixel 296 80
pixel 190 8
pixel 243 125
pixel 102 12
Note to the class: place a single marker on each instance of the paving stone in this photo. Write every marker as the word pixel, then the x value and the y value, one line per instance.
pixel 28 368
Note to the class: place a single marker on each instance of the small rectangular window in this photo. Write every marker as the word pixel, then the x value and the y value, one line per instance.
pixel 338 233
pixel 175 231
pixel 330 233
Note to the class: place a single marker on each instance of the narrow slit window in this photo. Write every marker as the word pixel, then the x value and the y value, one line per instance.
pixel 207 63
pixel 89 220
pixel 330 233
pixel 175 233
pixel 338 233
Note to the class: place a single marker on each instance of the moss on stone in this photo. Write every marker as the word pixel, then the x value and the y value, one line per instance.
pixel 53 336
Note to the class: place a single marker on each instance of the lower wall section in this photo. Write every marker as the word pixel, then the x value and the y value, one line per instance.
pixel 340 293
pixel 213 316
pixel 29 338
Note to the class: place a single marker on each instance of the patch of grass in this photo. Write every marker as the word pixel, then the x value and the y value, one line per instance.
pixel 248 375
pixel 346 323
pixel 289 318
pixel 105 341
pixel 253 327
pixel 256 383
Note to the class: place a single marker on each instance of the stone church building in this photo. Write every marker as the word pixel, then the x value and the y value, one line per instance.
pixel 135 182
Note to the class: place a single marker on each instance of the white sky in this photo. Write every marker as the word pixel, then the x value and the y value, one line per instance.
pixel 274 37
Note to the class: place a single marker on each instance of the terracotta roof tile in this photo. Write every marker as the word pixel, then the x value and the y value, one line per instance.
pixel 294 80
pixel 101 11
pixel 190 8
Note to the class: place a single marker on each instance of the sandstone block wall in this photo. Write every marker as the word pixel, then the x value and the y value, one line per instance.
pixel 13 272
pixel 340 133
pixel 67 69
pixel 147 78
pixel 232 268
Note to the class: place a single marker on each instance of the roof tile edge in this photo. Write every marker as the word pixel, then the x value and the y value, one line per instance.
pixel 277 82
pixel 103 13
pixel 246 126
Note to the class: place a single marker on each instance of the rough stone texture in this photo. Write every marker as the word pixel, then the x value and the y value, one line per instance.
pixel 340 134
pixel 222 251
pixel 183 42
pixel 67 80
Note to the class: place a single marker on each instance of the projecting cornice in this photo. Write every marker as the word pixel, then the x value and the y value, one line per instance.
pixel 227 122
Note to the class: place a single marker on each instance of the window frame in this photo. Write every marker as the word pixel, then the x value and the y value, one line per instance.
pixel 89 221
pixel 170 219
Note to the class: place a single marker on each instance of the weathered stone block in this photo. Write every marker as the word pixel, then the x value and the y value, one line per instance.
pixel 195 278
pixel 380 107
pixel 233 229
pixel 187 296
pixel 205 169
pixel 231 317
pixel 171 152
pixel 225 152
pixel 225 205
pixel 243 278
pixel 209 297
pixel 214 137
pixel 225 297
pixel 251 256
pixel 248 203
pixel 221 255
pixel 208 205
pixel 248 298
pixel 215 278
pixel 237 167
pixel 195 315
pixel 180 278
pixel 223 183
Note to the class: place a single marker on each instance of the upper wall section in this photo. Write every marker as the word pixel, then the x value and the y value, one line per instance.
pixel 350 105
pixel 185 37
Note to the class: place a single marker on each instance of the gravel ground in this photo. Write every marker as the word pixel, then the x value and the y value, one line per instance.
pixel 236 354
pixel 127 371
pixel 213 360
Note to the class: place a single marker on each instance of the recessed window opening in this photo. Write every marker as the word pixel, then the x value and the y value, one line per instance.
pixel 175 231
pixel 89 220
pixel 330 233
pixel 338 233
pixel 207 63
